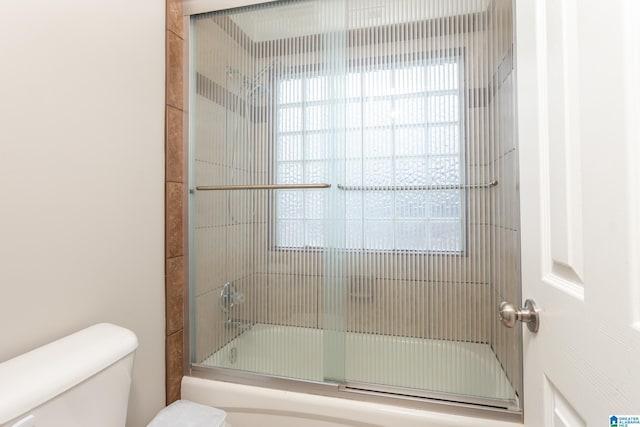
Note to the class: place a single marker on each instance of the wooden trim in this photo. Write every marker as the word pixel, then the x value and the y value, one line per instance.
pixel 175 191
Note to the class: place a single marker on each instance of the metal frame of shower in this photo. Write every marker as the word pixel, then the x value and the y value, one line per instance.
pixel 479 407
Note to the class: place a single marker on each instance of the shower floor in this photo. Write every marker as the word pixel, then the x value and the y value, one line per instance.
pixel 460 368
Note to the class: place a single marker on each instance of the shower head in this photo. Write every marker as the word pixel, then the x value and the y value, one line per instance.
pixel 254 88
pixel 266 69
pixel 258 87
pixel 258 91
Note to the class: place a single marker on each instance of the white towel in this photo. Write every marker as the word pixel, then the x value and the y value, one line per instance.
pixel 184 413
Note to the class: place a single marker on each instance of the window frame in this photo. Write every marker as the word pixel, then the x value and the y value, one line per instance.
pixel 458 55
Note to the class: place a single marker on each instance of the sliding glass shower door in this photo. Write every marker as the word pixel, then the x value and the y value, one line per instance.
pixel 268 129
pixel 354 202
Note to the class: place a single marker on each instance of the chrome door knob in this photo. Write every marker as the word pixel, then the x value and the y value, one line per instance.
pixel 509 315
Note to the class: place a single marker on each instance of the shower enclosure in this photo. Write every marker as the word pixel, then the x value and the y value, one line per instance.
pixel 353 197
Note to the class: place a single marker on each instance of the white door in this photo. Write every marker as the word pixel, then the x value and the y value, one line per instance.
pixel 579 132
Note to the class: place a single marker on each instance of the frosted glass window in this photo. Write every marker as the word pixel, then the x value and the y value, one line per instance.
pixel 290 205
pixel 290 92
pixel 354 205
pixel 317 88
pixel 353 172
pixel 290 172
pixel 377 113
pixel 318 117
pixel 377 143
pixel 290 147
pixel 442 76
pixel 409 80
pixel 401 127
pixel 409 111
pixel 353 149
pixel 379 205
pixel 378 235
pixel 317 146
pixel 290 119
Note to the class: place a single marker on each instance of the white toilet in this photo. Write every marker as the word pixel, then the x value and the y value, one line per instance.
pixel 82 380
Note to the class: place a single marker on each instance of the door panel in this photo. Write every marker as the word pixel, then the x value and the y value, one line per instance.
pixel 563 414
pixel 563 156
pixel 579 208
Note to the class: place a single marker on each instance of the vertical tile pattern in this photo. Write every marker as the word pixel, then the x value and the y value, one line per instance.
pixel 175 194
pixel 224 222
pixel 504 210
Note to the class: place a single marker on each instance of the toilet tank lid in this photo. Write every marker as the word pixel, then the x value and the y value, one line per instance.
pixel 33 378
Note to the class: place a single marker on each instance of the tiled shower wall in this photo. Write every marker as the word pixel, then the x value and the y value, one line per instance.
pixel 287 288
pixel 504 213
pixel 224 225
pixel 388 293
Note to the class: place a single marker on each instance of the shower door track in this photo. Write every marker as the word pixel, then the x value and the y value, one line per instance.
pixel 498 409
pixel 401 392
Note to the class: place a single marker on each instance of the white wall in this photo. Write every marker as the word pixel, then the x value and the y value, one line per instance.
pixel 81 178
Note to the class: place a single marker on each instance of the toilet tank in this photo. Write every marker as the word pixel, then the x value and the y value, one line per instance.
pixel 80 380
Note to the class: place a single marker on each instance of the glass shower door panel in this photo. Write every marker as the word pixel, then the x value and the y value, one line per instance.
pixel 389 277
pixel 267 108
pixel 430 252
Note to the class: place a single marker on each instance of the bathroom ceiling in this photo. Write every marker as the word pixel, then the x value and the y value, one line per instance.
pixel 306 18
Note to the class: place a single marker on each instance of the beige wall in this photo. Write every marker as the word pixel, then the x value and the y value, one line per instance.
pixel 81 173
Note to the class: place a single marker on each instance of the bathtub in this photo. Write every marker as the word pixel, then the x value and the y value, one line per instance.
pixel 250 406
pixel 296 352
pixel 441 366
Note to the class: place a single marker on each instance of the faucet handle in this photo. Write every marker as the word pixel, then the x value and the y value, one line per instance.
pixel 238 298
pixel 229 297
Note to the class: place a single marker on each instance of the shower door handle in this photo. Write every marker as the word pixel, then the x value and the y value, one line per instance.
pixel 509 315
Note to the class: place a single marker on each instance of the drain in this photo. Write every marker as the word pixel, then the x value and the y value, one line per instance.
pixel 233 355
